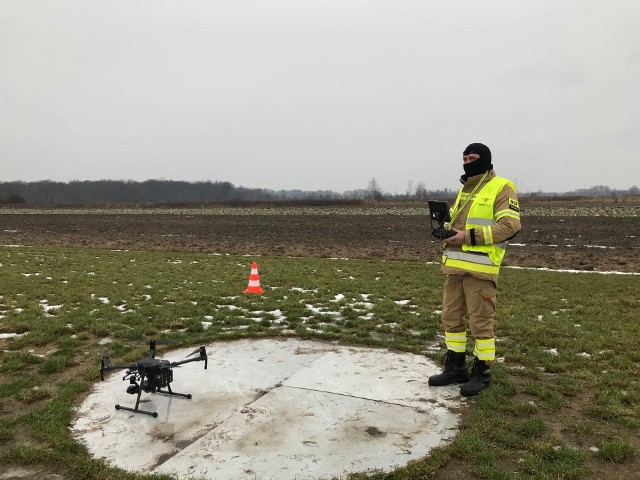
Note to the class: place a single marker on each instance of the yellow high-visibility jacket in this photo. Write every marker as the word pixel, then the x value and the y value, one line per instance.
pixel 489 220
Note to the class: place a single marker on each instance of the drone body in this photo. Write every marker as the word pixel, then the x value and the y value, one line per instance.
pixel 150 375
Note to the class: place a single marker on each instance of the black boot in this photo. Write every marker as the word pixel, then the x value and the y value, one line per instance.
pixel 454 370
pixel 480 379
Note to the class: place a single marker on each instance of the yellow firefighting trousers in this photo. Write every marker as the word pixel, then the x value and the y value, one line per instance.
pixel 465 293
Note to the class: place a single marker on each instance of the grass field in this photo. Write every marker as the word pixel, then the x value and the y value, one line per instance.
pixel 565 401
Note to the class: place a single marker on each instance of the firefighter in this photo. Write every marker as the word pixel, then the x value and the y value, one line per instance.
pixel 484 217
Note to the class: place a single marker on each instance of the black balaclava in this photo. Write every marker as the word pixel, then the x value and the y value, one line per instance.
pixel 481 165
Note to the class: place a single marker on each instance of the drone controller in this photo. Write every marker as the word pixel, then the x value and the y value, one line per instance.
pixel 440 218
pixel 442 233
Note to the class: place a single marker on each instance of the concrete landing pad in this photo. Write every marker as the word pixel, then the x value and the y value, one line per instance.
pixel 275 409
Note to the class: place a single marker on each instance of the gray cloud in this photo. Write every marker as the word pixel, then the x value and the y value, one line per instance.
pixel 319 94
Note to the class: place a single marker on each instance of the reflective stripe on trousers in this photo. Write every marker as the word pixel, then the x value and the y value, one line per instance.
pixel 456 341
pixel 485 349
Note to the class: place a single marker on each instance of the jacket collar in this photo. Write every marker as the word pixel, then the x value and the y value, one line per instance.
pixel 473 181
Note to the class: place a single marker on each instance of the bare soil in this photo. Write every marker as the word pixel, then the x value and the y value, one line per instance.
pixel 571 242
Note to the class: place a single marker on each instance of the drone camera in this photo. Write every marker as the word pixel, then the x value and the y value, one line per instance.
pixel 133 389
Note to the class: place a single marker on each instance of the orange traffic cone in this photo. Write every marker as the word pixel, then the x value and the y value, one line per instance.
pixel 254 281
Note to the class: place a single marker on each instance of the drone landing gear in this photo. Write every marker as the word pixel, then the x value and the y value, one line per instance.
pixel 137 410
pixel 135 388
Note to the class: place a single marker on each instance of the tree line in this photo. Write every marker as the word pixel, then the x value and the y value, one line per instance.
pixel 101 192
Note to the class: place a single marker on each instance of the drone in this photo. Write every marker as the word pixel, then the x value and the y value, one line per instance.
pixel 150 375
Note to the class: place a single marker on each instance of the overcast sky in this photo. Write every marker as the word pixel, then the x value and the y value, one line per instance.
pixel 320 94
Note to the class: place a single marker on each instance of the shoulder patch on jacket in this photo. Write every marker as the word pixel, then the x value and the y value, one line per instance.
pixel 514 205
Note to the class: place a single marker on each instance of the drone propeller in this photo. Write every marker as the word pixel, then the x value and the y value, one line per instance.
pixel 202 351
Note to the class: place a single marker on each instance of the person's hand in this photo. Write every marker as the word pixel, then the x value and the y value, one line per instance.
pixel 457 239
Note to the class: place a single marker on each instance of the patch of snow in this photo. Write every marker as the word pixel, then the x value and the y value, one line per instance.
pixel 280 316
pixel 229 307
pixel 390 325
pixel 545 269
pixel 11 335
pixel 49 308
pixel 320 310
pixel 104 300
pixel 361 306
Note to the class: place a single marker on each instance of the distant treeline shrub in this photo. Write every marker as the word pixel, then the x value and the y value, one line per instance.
pixel 182 193
pixel 173 193
pixel 12 200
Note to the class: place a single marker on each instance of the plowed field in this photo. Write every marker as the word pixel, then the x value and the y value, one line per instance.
pixel 555 240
